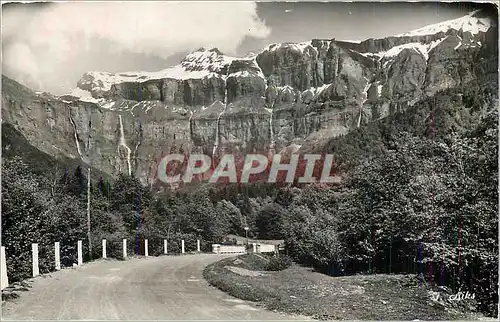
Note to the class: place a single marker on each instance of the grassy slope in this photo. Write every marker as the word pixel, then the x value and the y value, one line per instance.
pixel 300 290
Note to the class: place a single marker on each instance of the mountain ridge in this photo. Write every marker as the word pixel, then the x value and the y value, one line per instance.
pixel 287 95
pixel 468 23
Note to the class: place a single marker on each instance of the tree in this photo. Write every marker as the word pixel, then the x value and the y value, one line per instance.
pixel 270 221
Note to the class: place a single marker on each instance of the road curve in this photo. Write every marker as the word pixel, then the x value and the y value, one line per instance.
pixel 152 288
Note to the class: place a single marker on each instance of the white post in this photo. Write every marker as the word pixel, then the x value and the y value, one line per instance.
pixel 104 255
pixel 80 253
pixel 3 259
pixel 124 248
pixel 198 245
pixel 57 253
pixel 146 252
pixel 165 246
pixel 254 245
pixel 182 246
pixel 34 250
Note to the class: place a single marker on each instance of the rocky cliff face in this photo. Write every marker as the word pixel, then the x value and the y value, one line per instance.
pixel 286 95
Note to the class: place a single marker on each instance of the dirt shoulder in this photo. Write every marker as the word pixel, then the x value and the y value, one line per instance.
pixel 142 288
pixel 300 290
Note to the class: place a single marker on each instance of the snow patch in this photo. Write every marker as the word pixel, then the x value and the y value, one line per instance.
pixel 300 47
pixel 197 65
pixel 83 95
pixel 466 23
pixel 434 43
pixel 246 73
pixel 352 41
pixel 321 89
pixel 147 108
pixel 316 91
pixel 285 89
pixel 108 105
pixel 394 51
pixel 421 48
pixel 207 60
pixel 104 81
pixel 379 90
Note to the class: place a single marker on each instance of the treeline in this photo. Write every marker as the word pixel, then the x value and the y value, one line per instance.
pixel 49 204
pixel 419 196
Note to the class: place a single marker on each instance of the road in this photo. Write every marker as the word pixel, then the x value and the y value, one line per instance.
pixel 152 288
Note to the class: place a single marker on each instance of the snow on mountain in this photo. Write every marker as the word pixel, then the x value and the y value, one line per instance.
pixel 246 73
pixel 197 65
pixel 104 80
pixel 319 90
pixel 467 23
pixel 83 95
pixel 313 93
pixel 300 47
pixel 204 63
pixel 424 49
pixel 206 60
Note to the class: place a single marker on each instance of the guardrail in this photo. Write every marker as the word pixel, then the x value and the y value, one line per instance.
pixel 256 248
pixel 228 249
pixel 57 256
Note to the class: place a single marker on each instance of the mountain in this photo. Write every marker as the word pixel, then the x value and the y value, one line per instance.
pixel 288 96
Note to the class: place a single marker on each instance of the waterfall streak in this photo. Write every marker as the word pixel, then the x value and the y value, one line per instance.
pixel 217 134
pixel 123 143
pixel 76 137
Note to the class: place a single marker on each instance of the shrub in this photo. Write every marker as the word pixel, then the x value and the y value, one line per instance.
pixel 279 263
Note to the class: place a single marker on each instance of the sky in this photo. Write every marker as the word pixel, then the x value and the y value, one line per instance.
pixel 48 46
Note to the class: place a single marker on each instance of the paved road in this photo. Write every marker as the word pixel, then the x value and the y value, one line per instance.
pixel 153 288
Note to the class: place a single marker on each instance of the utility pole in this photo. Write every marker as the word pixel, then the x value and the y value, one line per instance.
pixel 88 214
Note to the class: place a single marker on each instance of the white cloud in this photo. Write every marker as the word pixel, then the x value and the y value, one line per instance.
pixel 23 64
pixel 40 42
